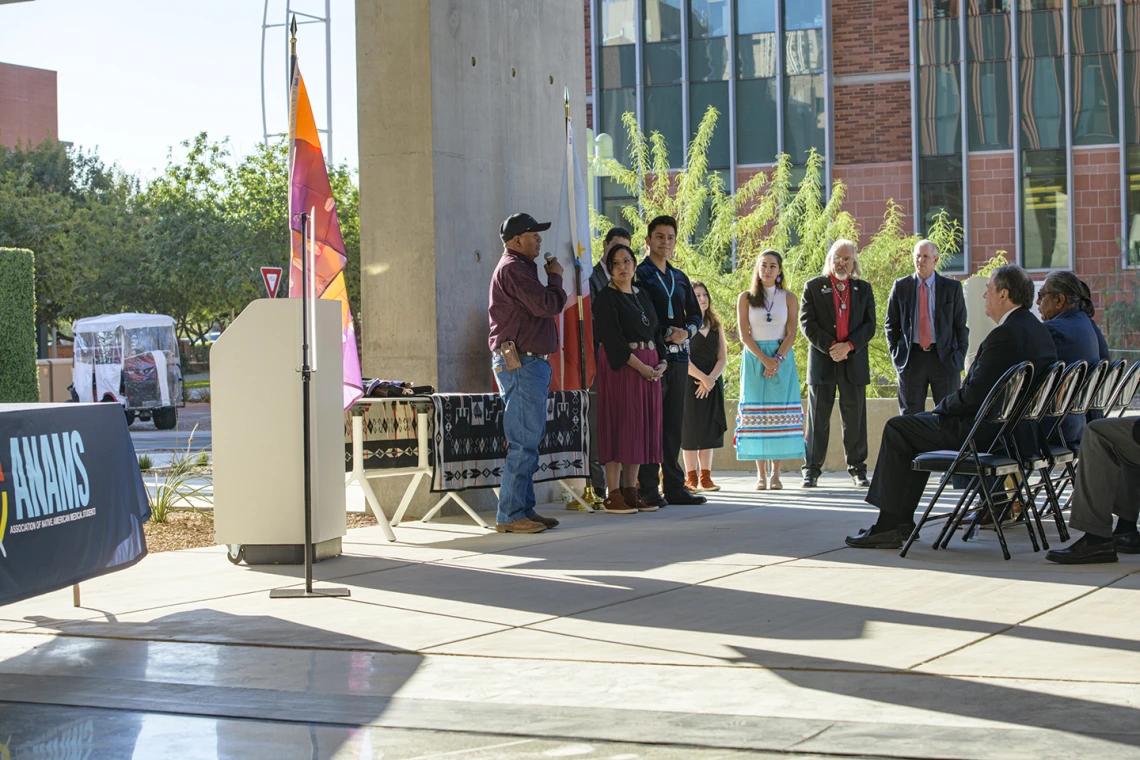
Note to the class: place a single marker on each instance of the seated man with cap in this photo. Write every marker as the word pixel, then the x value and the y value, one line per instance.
pixel 523 335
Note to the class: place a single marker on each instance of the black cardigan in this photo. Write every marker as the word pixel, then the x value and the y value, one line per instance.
pixel 618 322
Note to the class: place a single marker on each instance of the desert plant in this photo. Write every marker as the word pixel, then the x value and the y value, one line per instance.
pixel 175 484
pixel 145 462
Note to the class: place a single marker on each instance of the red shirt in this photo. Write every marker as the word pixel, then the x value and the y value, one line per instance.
pixel 521 308
pixel 842 316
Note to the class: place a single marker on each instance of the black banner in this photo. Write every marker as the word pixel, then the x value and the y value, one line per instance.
pixel 72 501
pixel 469 449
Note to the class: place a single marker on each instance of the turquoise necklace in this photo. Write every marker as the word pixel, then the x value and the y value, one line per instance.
pixel 669 292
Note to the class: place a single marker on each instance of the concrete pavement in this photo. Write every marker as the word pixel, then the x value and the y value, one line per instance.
pixel 743 625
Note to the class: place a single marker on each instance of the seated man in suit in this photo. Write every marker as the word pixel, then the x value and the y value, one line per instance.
pixel 1108 479
pixel 1074 333
pixel 896 489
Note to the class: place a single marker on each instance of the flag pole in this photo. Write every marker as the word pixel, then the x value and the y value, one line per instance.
pixel 574 244
pixel 306 368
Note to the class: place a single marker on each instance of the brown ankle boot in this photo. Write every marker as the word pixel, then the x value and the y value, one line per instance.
pixel 692 485
pixel 707 483
pixel 633 499
pixel 615 504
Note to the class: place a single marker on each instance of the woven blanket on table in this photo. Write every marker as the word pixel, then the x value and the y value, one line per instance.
pixel 469 448
pixel 389 436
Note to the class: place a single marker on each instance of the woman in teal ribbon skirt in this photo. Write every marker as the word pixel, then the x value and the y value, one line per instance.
pixel 770 420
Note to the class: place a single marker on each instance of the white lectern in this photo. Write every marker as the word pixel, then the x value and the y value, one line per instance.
pixel 255 407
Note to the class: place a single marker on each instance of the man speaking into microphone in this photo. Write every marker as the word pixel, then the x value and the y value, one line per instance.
pixel 523 336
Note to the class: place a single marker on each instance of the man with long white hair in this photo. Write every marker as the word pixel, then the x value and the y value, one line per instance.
pixel 837 317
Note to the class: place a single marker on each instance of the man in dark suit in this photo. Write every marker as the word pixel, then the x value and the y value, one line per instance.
pixel 837 316
pixel 897 489
pixel 1106 484
pixel 600 278
pixel 926 332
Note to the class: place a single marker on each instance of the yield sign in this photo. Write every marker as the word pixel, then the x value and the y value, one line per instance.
pixel 271 276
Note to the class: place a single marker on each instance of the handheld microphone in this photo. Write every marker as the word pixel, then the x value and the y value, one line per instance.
pixel 548 256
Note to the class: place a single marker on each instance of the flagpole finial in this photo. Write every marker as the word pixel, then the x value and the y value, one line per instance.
pixel 293 35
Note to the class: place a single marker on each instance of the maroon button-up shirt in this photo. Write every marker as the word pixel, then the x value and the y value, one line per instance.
pixel 521 309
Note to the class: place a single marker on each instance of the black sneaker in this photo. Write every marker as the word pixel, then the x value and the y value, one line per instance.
pixel 652 498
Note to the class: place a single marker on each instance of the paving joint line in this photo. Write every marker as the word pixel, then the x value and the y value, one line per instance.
pixel 742 569
pixel 453 655
pixel 1019 623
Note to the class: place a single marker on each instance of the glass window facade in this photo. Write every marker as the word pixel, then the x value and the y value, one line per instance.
pixel 1044 178
pixel 1096 117
pixel 709 72
pixel 655 56
pixel 989 101
pixel 805 100
pixel 939 128
pixel 662 75
pixel 1045 215
pixel 761 64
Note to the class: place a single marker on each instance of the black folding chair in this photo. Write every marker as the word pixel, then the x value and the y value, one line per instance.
pixel 1045 457
pixel 1125 391
pixel 1000 408
pixel 1086 398
pixel 1026 431
pixel 1109 385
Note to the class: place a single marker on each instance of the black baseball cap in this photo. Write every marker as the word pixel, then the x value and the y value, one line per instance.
pixel 517 224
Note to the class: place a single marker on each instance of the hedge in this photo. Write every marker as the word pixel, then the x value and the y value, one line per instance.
pixel 19 377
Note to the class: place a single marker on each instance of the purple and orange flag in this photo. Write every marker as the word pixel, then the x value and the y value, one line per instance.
pixel 311 193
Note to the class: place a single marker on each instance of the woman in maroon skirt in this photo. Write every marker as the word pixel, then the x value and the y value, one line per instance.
pixel 630 365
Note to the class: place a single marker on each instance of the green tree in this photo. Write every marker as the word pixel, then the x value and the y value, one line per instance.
pixel 769 211
pixel 189 244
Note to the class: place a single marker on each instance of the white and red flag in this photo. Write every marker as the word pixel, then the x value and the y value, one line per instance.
pixel 572 248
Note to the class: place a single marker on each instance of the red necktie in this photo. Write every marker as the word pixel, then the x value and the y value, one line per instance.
pixel 924 316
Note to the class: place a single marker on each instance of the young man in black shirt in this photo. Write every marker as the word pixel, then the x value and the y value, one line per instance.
pixel 679 315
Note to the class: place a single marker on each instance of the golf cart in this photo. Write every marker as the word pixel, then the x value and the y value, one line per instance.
pixel 131 359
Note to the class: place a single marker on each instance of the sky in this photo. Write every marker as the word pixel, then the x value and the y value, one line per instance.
pixel 137 77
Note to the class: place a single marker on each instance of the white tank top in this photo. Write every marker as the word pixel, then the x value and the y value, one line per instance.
pixel 758 322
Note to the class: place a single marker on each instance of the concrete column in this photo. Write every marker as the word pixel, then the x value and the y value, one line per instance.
pixel 461 124
pixel 397 196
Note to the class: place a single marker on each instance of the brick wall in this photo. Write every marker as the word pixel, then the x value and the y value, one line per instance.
pixel 870 36
pixel 869 187
pixel 992 225
pixel 1096 210
pixel 872 123
pixel 872 120
pixel 28 111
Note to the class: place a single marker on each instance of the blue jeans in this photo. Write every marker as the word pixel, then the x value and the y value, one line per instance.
pixel 524 392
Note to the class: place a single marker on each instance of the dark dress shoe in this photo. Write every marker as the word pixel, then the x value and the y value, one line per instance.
pixel 684 497
pixel 887 539
pixel 1081 552
pixel 1127 543
pixel 810 481
pixel 860 480
pixel 652 499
